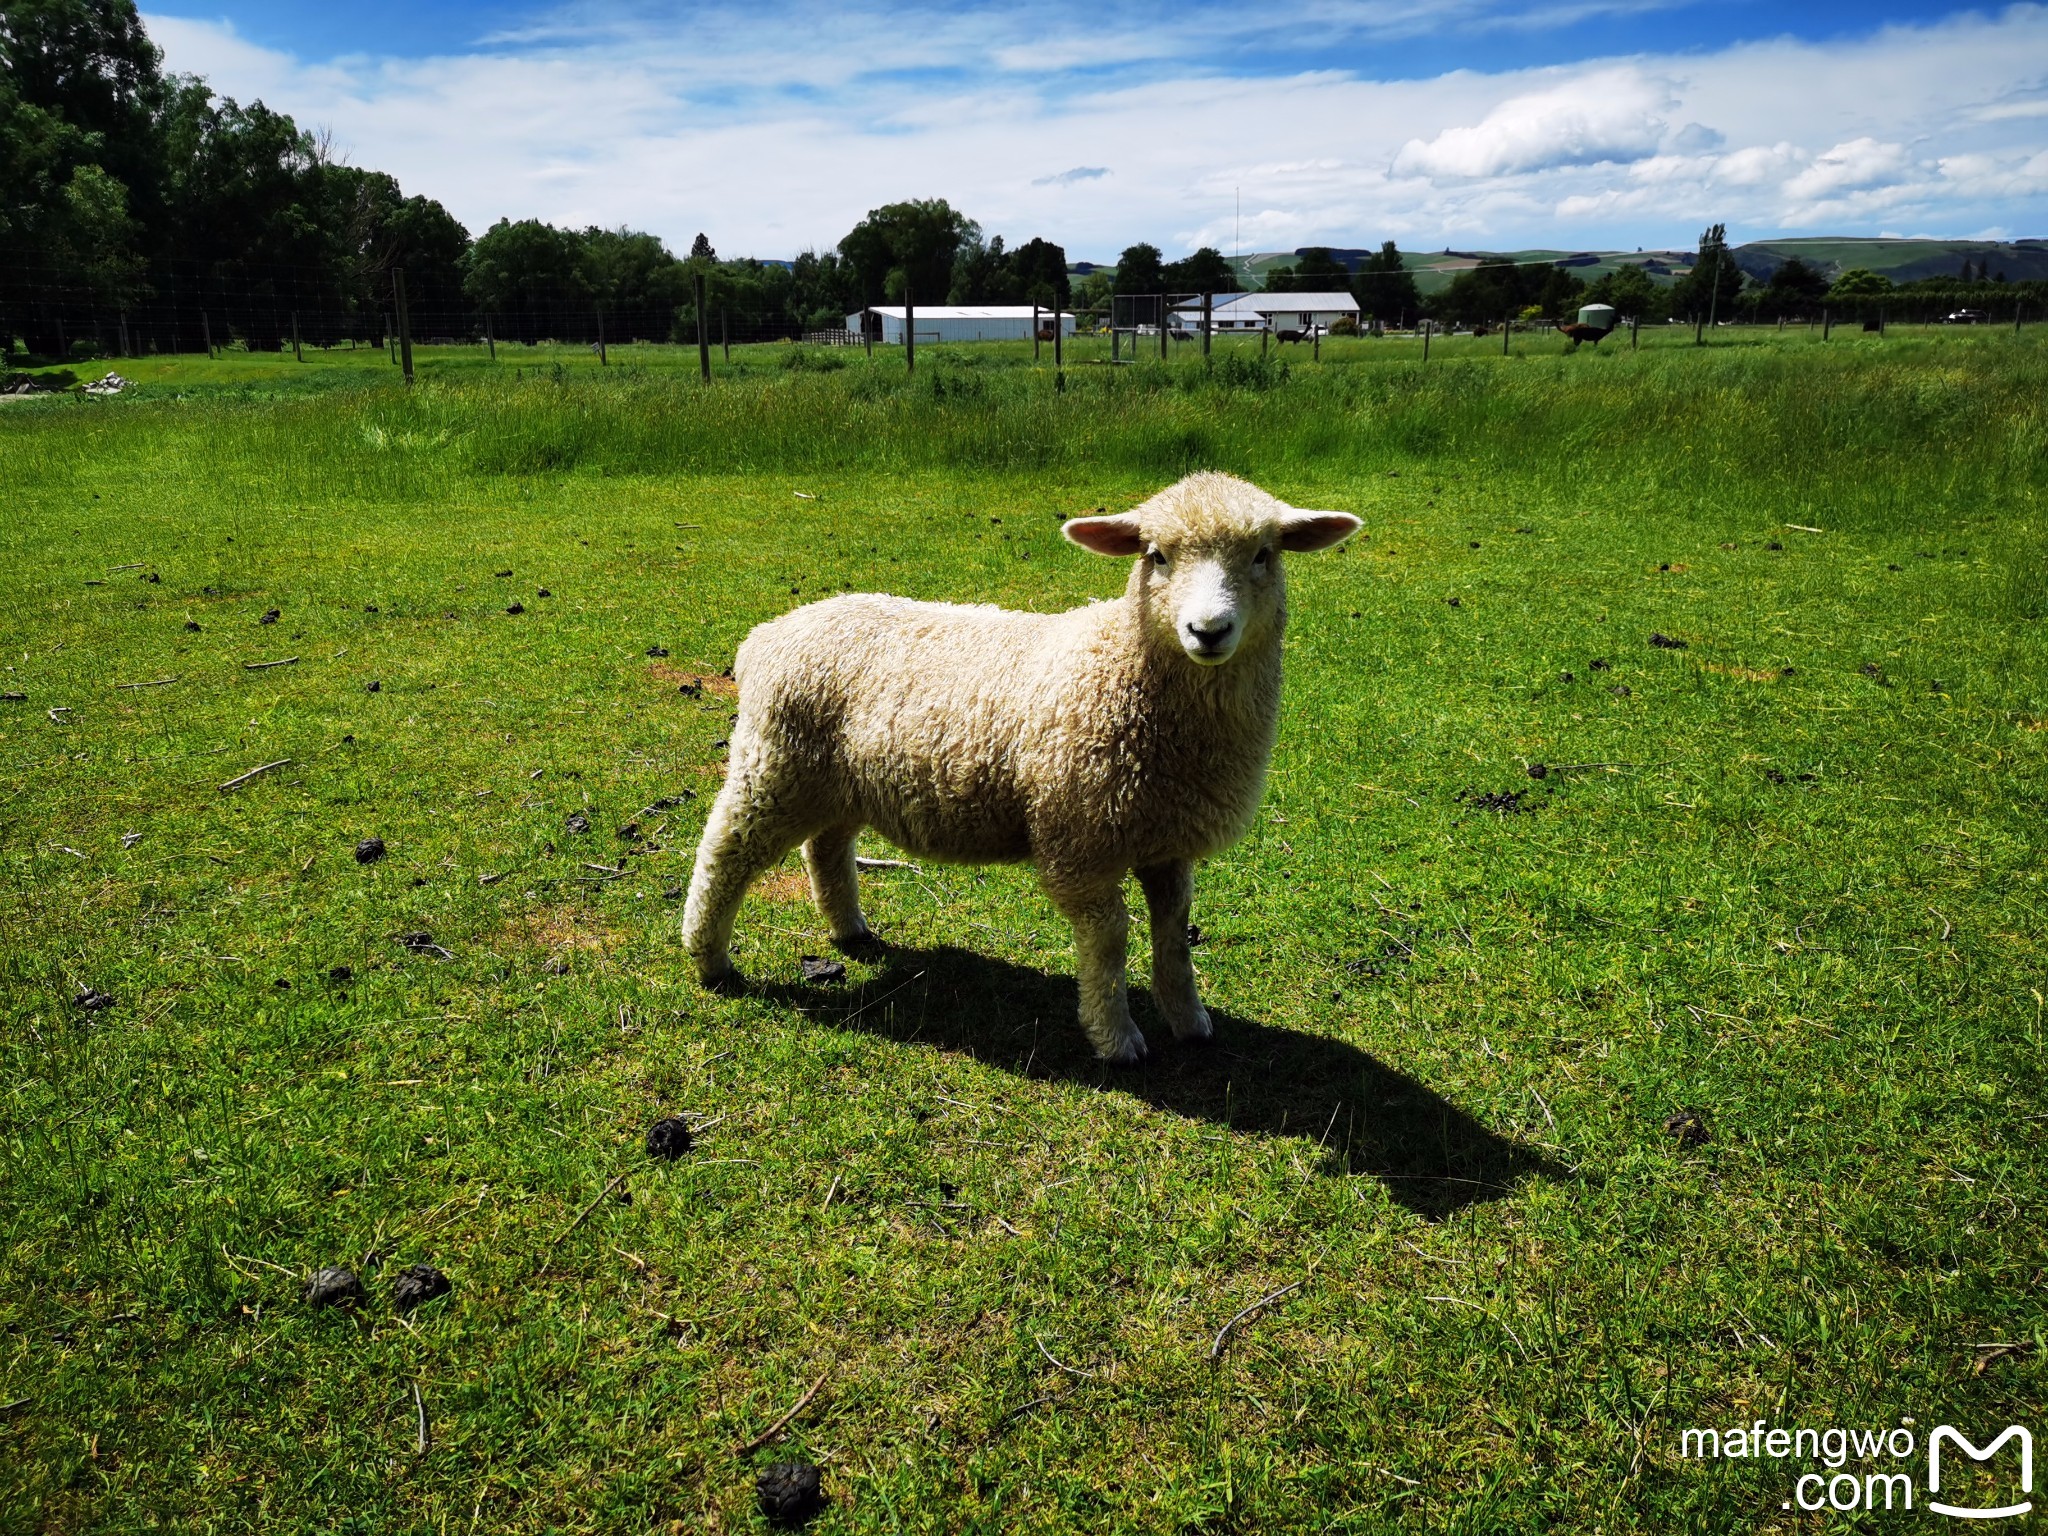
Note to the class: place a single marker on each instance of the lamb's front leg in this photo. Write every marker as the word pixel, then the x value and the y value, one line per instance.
pixel 1169 892
pixel 1102 935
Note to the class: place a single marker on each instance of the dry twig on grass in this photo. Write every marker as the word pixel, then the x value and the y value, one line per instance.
pixel 1223 1335
pixel 616 1181
pixel 257 772
pixel 782 1423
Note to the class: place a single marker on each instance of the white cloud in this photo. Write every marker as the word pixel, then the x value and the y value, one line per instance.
pixel 779 149
pixel 1607 115
pixel 1859 163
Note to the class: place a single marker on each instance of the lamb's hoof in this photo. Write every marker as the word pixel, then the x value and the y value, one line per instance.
pixel 1128 1051
pixel 861 943
pixel 718 974
pixel 1189 1026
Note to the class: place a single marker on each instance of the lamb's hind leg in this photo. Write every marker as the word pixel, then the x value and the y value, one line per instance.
pixel 745 834
pixel 1169 892
pixel 1102 930
pixel 835 882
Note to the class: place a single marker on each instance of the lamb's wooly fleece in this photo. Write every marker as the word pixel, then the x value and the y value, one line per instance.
pixel 1125 736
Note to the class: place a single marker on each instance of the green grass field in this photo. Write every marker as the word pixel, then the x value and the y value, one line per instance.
pixel 1786 878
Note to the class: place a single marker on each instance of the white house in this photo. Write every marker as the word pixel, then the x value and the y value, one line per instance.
pixel 959 322
pixel 1269 311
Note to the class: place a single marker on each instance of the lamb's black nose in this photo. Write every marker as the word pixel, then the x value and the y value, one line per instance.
pixel 1210 635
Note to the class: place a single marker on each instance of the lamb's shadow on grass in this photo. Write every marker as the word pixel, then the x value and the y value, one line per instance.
pixel 1253 1079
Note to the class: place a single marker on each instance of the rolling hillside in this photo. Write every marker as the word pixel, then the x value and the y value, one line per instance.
pixel 1900 260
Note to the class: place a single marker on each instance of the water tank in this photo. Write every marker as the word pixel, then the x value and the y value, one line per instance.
pixel 1601 317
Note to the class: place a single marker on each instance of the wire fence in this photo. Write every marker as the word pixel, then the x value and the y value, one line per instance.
pixel 63 315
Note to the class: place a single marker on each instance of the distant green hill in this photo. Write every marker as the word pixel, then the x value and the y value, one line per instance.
pixel 1900 260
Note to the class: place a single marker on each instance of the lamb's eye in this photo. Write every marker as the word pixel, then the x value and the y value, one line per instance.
pixel 1263 557
pixel 1159 557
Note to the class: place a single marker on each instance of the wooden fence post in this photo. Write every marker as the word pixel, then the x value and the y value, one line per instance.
pixel 404 322
pixel 1426 329
pixel 604 359
pixel 909 331
pixel 867 332
pixel 206 330
pixel 2016 308
pixel 703 330
pixel 1163 306
pixel 1208 320
pixel 1059 361
pixel 724 334
pixel 1507 330
pixel 1034 332
pixel 1827 323
pixel 1635 324
pixel 298 356
pixel 490 340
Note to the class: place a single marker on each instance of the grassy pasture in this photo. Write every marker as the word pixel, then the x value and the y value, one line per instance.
pixel 1786 877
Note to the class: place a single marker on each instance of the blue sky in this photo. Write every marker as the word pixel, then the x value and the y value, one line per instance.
pixel 774 125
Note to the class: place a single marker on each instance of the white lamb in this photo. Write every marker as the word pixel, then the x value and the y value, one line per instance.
pixel 1124 736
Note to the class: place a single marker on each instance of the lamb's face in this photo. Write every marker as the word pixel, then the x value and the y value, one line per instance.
pixel 1206 594
pixel 1210 577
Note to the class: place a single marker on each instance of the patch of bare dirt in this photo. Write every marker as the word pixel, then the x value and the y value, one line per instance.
pixel 714 683
pixel 562 928
pixel 789 883
pixel 1746 674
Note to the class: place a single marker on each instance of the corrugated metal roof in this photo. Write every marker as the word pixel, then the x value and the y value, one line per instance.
pixel 967 311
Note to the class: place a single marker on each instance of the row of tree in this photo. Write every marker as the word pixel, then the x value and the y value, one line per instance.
pixel 141 209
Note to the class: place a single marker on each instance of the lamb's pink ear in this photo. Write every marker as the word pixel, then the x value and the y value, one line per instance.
pixel 1301 531
pixel 1117 536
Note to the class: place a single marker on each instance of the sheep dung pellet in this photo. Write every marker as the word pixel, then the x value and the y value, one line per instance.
pixel 373 686
pixel 335 1287
pixel 416 1285
pixel 340 974
pixel 669 1138
pixel 816 969
pixel 192 626
pixel 515 608
pixel 790 1492
pixel 1688 1127
pixel 369 850
pixel 269 618
pixel 92 1000
pixel 577 822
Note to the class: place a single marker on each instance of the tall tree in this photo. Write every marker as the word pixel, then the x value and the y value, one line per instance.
pixel 912 243
pixel 532 275
pixel 1038 273
pixel 1797 283
pixel 1632 291
pixel 1714 283
pixel 1385 288
pixel 1315 270
pixel 1203 271
pixel 1141 269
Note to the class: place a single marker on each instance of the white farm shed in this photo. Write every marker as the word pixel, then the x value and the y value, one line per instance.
pixel 1270 311
pixel 958 322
